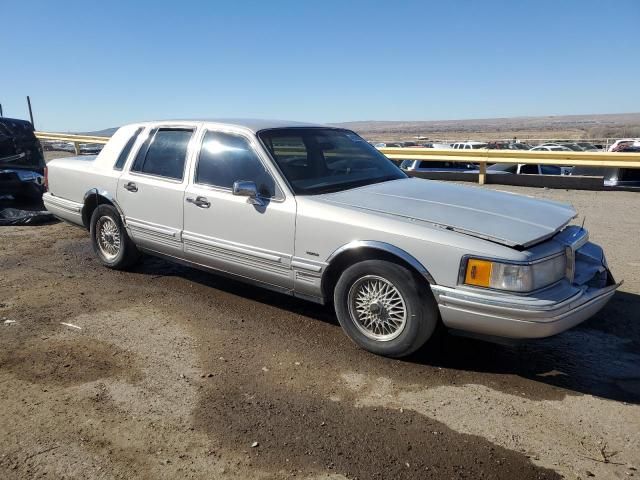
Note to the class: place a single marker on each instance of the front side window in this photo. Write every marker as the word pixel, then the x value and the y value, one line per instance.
pixel 226 158
pixel 164 153
pixel 321 160
pixel 124 154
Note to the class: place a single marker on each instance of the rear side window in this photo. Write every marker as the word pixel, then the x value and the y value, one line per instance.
pixel 164 153
pixel 124 154
pixel 550 170
pixel 226 158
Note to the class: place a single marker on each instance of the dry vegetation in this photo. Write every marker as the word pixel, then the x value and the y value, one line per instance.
pixel 561 127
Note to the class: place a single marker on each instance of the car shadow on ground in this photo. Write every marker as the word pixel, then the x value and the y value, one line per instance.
pixel 600 357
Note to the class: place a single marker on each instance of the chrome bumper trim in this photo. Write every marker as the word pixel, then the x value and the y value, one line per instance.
pixel 518 317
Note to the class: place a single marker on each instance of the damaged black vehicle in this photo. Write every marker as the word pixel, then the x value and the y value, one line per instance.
pixel 22 164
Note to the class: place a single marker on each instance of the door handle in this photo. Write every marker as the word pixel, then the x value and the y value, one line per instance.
pixel 132 187
pixel 201 202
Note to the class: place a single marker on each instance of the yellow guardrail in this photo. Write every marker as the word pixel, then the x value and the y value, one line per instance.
pixel 482 157
pixel 77 140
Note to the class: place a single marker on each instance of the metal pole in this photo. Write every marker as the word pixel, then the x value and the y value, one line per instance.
pixel 30 112
pixel 1 115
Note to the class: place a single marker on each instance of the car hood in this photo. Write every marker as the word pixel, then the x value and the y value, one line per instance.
pixel 501 217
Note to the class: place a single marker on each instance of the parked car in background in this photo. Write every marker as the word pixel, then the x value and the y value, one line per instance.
pixel 614 177
pixel 504 145
pixel 550 148
pixel 589 147
pixel 90 148
pixel 388 145
pixel 624 143
pixel 528 169
pixel 573 146
pixel 469 145
pixel 524 169
pixel 435 166
pixel 317 213
pixel 441 146
pixel 22 162
pixel 61 146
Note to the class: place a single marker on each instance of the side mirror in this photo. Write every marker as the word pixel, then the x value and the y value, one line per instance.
pixel 245 188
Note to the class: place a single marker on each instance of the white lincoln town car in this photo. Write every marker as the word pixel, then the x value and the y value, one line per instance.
pixel 318 213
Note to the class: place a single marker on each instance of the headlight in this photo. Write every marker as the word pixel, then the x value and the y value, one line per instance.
pixel 513 276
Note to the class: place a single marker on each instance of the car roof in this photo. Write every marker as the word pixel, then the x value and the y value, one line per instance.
pixel 252 124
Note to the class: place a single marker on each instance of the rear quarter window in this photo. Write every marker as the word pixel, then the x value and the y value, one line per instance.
pixel 124 154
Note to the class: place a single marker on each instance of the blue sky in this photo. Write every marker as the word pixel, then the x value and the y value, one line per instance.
pixel 91 65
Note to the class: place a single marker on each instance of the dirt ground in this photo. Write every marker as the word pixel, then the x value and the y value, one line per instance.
pixel 168 372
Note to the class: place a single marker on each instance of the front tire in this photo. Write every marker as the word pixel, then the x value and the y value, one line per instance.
pixel 384 308
pixel 109 239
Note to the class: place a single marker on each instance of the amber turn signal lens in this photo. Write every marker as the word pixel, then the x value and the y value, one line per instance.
pixel 478 273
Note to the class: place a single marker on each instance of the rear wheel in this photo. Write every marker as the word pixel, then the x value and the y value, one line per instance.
pixel 109 239
pixel 384 308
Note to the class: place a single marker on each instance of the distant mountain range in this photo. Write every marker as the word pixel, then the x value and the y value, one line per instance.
pixel 552 126
pixel 560 126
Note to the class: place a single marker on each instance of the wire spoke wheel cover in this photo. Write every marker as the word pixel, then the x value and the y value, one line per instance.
pixel 377 308
pixel 108 237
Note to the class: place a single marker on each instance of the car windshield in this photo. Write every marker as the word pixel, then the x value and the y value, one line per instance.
pixel 479 145
pixel 322 160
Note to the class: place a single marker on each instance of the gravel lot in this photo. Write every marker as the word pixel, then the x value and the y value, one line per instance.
pixel 167 372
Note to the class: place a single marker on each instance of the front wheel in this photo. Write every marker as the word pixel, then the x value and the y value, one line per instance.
pixel 109 239
pixel 384 308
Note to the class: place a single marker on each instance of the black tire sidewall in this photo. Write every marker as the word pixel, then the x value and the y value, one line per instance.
pixel 121 259
pixel 422 315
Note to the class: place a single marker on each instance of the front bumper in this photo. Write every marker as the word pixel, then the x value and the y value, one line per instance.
pixel 540 314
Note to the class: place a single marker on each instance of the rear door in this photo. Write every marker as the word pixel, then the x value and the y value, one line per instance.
pixel 227 232
pixel 150 192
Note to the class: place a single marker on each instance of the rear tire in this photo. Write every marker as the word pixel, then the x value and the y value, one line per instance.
pixel 385 308
pixel 109 239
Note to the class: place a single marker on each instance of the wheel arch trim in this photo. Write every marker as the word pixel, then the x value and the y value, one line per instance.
pixel 106 195
pixel 385 247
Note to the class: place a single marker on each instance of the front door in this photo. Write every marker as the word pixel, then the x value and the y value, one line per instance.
pixel 228 232
pixel 151 191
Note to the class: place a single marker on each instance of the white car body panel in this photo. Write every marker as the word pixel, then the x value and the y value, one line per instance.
pixel 291 242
